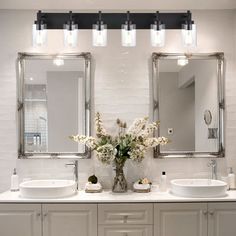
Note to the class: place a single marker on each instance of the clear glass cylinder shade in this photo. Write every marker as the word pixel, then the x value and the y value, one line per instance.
pixel 128 35
pixel 39 35
pixel 99 35
pixel 189 36
pixel 70 35
pixel 157 35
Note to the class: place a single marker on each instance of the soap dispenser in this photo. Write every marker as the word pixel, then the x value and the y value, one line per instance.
pixel 231 178
pixel 14 181
pixel 163 184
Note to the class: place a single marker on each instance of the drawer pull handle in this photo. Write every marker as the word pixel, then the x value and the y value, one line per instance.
pixel 211 213
pixel 125 220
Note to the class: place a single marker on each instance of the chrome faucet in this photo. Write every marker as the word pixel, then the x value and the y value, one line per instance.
pixel 75 167
pixel 213 165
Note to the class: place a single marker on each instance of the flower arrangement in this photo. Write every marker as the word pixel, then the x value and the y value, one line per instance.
pixel 130 143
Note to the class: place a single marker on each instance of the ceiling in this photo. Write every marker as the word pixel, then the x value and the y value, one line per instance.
pixel 111 5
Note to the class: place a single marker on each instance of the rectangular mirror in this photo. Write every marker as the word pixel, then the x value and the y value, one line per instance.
pixel 53 103
pixel 188 100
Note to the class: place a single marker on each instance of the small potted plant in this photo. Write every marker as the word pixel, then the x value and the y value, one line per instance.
pixel 93 186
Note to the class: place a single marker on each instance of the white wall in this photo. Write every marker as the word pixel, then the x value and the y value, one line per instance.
pixel 121 90
pixel 204 74
pixel 62 101
pixel 177 111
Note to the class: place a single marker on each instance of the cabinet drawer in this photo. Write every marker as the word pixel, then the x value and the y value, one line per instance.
pixel 125 213
pixel 127 230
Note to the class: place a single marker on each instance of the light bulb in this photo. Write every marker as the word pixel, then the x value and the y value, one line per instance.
pixel 157 36
pixel 39 31
pixel 189 33
pixel 70 32
pixel 99 35
pixel 128 35
pixel 39 35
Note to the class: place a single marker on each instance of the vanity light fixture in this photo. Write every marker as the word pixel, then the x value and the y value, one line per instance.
pixel 39 31
pixel 157 23
pixel 70 32
pixel 99 32
pixel 157 32
pixel 189 32
pixel 128 33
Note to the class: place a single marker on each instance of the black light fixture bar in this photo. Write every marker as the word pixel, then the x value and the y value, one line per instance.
pixel 115 20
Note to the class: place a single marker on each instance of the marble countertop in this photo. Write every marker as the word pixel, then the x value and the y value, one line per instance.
pixel 109 197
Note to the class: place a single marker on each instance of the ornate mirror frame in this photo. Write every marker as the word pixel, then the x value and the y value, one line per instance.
pixel 22 154
pixel 154 93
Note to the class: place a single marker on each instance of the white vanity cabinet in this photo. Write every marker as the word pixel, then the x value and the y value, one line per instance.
pixel 125 219
pixel 180 219
pixel 20 220
pixel 69 219
pixel 222 219
pixel 118 219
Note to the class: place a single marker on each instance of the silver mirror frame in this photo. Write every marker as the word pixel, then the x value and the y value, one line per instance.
pixel 20 104
pixel 154 93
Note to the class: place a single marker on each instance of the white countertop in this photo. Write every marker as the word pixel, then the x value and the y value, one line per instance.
pixel 109 197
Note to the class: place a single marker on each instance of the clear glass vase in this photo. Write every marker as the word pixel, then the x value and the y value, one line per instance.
pixel 120 183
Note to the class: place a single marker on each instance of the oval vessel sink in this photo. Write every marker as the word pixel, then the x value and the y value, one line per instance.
pixel 47 188
pixel 198 188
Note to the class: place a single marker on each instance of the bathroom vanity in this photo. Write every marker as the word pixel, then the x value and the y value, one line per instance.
pixel 107 214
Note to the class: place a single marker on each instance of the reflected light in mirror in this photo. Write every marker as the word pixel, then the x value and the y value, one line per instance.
pixel 58 62
pixel 182 61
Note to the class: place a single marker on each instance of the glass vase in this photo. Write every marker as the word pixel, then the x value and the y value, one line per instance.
pixel 120 183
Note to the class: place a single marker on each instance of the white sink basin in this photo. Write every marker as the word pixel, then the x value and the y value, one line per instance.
pixel 47 188
pixel 198 188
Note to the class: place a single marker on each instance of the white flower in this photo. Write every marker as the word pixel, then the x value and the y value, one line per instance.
pixel 100 130
pixel 106 153
pixel 138 126
pixel 145 181
pixel 137 153
pixel 89 141
pixel 149 130
pixel 153 142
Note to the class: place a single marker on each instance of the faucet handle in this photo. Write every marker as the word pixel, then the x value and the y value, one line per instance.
pixel 70 164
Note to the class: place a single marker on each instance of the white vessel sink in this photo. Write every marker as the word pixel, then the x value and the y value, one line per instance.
pixel 47 188
pixel 198 188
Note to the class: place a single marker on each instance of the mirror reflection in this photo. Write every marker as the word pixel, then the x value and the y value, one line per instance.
pixel 54 98
pixel 187 88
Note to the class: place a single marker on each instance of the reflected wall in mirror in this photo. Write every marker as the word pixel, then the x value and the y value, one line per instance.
pixel 53 103
pixel 184 87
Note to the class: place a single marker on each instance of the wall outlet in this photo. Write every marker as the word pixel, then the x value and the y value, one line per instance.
pixel 170 131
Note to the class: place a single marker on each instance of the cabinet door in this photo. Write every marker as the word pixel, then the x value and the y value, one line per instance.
pixel 20 220
pixel 127 230
pixel 69 220
pixel 222 219
pixel 180 219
